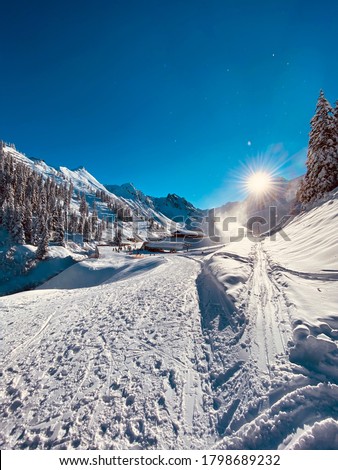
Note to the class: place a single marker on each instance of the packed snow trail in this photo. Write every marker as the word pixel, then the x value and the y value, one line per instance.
pixel 114 366
pixel 247 337
pixel 268 330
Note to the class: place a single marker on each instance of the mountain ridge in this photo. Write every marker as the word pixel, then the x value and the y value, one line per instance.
pixel 168 208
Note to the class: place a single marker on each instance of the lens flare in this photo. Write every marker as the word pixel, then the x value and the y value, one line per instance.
pixel 259 182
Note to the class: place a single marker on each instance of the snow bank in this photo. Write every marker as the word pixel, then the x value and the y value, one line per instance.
pixel 277 424
pixel 23 271
pixel 231 271
pixel 321 436
pixel 95 272
pixel 317 353
pixel 312 245
pixel 310 302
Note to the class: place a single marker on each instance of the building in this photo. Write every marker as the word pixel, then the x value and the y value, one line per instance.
pixel 187 234
pixel 163 246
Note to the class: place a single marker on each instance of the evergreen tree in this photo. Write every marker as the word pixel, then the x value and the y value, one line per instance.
pixel 59 236
pixel 17 230
pixel 28 223
pixel 8 216
pixel 72 222
pixel 87 230
pixel 83 206
pixel 335 117
pixel 94 218
pixel 98 232
pixel 322 158
pixel 43 239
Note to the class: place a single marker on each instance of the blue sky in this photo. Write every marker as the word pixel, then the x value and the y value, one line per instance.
pixel 173 96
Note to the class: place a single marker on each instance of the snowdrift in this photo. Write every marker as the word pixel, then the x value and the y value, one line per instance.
pixel 94 272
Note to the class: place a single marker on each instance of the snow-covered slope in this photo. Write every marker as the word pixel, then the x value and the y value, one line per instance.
pixel 81 179
pixel 83 182
pixel 311 243
pixel 175 206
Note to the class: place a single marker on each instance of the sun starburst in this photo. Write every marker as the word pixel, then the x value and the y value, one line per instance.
pixel 259 176
pixel 259 182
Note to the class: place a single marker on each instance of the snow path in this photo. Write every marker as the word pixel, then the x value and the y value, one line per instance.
pixel 247 338
pixel 108 366
pixel 269 323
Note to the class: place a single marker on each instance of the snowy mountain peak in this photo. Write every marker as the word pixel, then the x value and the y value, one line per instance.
pixel 127 191
pixel 171 206
pixel 79 168
pixel 129 187
pixel 180 201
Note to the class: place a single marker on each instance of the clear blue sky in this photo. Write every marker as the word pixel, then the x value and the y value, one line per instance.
pixel 167 94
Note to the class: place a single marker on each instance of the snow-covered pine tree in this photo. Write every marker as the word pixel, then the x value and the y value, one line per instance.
pixel 83 206
pixel 322 162
pixel 68 194
pixel 335 117
pixel 98 232
pixel 19 185
pixel 17 230
pixel 87 230
pixel 8 211
pixel 28 223
pixel 43 239
pixel 59 234
pixel 72 222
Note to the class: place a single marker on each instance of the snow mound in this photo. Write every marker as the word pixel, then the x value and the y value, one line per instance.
pixel 275 427
pixel 95 272
pixel 321 436
pixel 21 271
pixel 317 353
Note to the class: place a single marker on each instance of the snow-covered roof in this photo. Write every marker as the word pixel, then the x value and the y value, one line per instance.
pixel 165 245
pixel 184 231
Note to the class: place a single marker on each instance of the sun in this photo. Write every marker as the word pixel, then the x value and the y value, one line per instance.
pixel 259 182
pixel 259 176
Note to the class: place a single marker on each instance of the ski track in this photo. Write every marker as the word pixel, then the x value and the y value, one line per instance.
pixel 163 360
pixel 269 321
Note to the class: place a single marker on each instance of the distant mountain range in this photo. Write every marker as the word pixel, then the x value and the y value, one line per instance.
pixel 172 206
pixel 162 210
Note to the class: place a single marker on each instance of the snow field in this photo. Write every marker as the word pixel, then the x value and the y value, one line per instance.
pixel 106 367
pixel 231 347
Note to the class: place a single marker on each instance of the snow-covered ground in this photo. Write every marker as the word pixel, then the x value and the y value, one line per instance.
pixel 230 347
pixel 115 365
pixel 20 270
